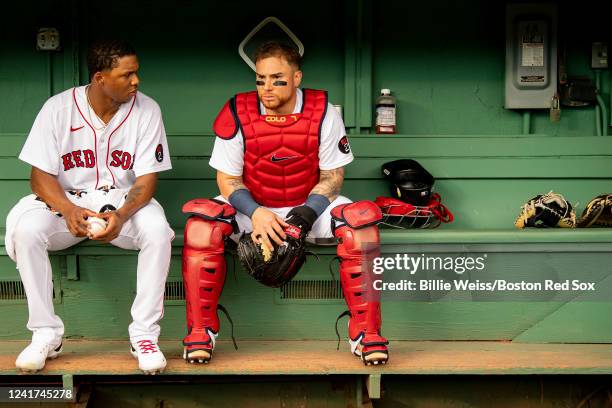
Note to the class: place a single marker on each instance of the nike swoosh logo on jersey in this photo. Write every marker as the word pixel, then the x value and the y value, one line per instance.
pixel 277 159
pixel 73 129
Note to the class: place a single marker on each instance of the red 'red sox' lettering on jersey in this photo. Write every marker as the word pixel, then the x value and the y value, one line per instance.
pixel 79 158
pixel 65 142
pixel 122 159
pixel 87 159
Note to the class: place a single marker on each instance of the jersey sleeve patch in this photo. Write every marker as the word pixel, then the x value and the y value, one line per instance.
pixel 226 124
pixel 159 153
pixel 343 145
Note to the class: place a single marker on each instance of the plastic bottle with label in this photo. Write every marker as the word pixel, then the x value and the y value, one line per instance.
pixel 385 112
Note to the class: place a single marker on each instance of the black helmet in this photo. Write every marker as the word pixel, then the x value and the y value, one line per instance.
pixel 409 181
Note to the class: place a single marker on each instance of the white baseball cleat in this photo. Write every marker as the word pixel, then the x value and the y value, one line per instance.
pixel 33 357
pixel 151 360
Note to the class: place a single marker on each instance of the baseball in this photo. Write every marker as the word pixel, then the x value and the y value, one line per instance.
pixel 96 225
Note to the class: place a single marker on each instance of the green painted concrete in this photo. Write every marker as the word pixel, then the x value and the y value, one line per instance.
pixel 444 62
pixel 97 304
pixel 476 203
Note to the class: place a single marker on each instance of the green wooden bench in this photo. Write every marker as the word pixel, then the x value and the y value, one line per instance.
pixel 482 179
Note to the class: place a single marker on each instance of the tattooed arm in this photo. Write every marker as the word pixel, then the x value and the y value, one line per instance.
pixel 228 184
pixel 139 195
pixel 330 183
pixel 267 225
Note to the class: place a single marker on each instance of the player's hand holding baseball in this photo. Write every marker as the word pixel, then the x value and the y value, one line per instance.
pixel 76 217
pixel 114 221
pixel 266 225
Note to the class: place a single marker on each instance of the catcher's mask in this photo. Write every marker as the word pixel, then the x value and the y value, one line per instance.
pixel 399 214
pixel 284 263
pixel 409 181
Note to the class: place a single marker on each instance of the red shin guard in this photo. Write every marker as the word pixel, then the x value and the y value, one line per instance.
pixel 355 227
pixel 204 272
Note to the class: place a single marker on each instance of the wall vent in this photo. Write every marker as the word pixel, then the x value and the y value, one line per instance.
pixel 174 291
pixel 302 289
pixel 311 289
pixel 12 290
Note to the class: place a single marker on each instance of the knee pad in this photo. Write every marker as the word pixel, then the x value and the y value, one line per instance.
pixel 210 209
pixel 354 225
pixel 210 223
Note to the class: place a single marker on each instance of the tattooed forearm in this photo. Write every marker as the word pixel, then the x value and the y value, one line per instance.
pixel 236 184
pixel 139 195
pixel 228 184
pixel 134 195
pixel 330 183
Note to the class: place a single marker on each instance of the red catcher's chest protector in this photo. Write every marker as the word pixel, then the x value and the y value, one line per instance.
pixel 281 156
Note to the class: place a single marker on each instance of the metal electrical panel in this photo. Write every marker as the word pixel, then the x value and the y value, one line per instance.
pixel 599 55
pixel 531 55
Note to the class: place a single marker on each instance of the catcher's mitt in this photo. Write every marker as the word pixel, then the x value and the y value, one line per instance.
pixel 546 210
pixel 272 268
pixel 598 212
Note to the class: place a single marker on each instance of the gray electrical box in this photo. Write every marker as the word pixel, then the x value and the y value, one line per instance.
pixel 599 55
pixel 531 55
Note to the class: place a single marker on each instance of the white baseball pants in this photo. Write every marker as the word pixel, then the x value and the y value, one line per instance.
pixel 33 229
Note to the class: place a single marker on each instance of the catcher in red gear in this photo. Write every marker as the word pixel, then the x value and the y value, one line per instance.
pixel 280 154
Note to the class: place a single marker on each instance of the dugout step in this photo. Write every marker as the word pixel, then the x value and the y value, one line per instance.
pixel 96 357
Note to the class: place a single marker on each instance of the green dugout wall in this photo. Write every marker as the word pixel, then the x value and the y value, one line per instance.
pixel 443 60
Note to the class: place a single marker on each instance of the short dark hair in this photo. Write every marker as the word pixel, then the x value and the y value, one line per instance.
pixel 278 49
pixel 103 54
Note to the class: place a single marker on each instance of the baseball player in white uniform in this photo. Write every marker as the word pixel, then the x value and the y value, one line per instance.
pixel 95 151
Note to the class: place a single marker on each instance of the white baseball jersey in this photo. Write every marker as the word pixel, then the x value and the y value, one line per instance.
pixel 64 142
pixel 334 150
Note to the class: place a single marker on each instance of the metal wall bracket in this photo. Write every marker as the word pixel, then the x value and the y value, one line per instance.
pixel 267 20
pixel 373 385
pixel 68 382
